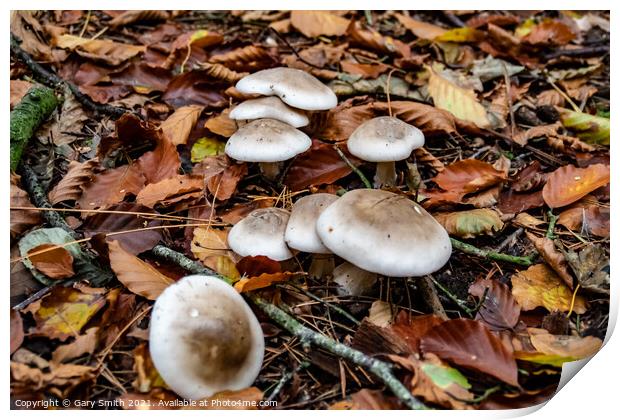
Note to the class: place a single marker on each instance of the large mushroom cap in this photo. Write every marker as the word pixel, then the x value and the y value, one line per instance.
pixel 269 107
pixel 384 139
pixel 295 87
pixel 261 233
pixel 204 338
pixel 384 233
pixel 301 228
pixel 266 140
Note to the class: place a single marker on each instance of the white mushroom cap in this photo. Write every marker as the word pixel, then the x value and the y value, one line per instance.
pixel 269 107
pixel 267 140
pixel 261 233
pixel 352 280
pixel 204 338
pixel 301 228
pixel 384 233
pixel 384 139
pixel 295 87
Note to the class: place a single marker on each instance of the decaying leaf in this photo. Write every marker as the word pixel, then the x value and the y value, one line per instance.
pixel 139 277
pixel 554 258
pixel 591 267
pixel 568 184
pixel 70 186
pixel 500 310
pixel 589 128
pixel 573 347
pixel 111 187
pixel 470 223
pixel 469 175
pixel 540 286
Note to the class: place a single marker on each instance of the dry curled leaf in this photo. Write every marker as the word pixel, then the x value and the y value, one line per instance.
pixel 590 218
pixel 249 58
pixel 553 257
pixel 372 39
pixel 136 275
pixel 171 190
pixel 70 186
pixel 222 125
pixel 133 16
pixel 110 52
pixel 540 286
pixel 573 347
pixel 313 23
pixel 499 311
pixel 111 187
pixel 220 72
pixel 568 184
pixel 179 125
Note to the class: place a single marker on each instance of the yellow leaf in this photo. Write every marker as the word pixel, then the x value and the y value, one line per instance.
pixel 138 276
pixel 462 103
pixel 470 223
pixel 540 286
pixel 465 34
pixel 179 125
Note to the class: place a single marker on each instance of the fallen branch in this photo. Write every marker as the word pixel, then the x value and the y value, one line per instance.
pixel 381 369
pixel 34 108
pixel 492 255
pixel 353 167
pixel 52 80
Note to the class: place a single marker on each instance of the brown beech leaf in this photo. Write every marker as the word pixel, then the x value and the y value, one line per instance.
pixel 432 121
pixel 368 71
pixel 179 125
pixel 17 91
pixel 195 87
pixel 529 178
pixel 65 311
pixel 243 399
pixel 147 376
pixel 255 266
pixel 540 286
pixel 125 218
pixel 470 223
pixel 21 219
pixel 470 344
pixel 550 32
pixel 436 197
pixel 171 190
pixel 224 184
pixel 247 284
pixel 510 202
pixel 319 165
pixel 569 183
pixel 500 311
pixel 85 343
pixel 411 328
pixel 208 243
pixel 437 382
pixel 248 58
pixel 16 330
pixel 111 187
pixel 592 219
pixel 70 186
pixel 57 263
pixel 469 175
pixel 554 258
pixel 56 377
pixel 522 137
pixel 133 16
pixel 313 23
pixel 110 52
pixel 136 275
pixel 421 29
pixel 372 39
pixel 221 124
pixel 574 347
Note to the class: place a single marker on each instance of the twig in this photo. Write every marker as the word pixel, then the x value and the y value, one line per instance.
pixel 275 31
pixel 51 79
pixel 184 262
pixel 509 239
pixel 492 255
pixel 552 220
pixel 429 293
pixel 509 100
pixel 381 369
pixel 328 304
pixel 579 52
pixel 287 376
pixel 454 19
pixel 353 167
pixel 452 297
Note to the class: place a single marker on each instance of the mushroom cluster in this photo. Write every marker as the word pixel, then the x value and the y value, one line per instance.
pixel 271 136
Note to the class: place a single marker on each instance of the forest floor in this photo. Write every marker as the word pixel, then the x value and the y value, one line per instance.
pixel 515 110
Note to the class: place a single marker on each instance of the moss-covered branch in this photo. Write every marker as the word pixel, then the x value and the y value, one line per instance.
pixel 34 108
pixel 492 255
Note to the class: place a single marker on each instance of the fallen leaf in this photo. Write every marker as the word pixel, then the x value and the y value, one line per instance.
pixel 195 87
pixel 139 277
pixel 147 377
pixel 252 266
pixel 132 16
pixel 205 147
pixel 246 284
pixel 411 328
pixel 171 190
pixel 461 103
pixel 549 32
pixel 27 29
pixel 69 188
pixel 243 399
pixel 499 311
pixel 85 343
pixel 17 91
pixel 222 125
pixel 21 220
pixel 61 376
pixel 110 52
pixel 319 165
pixel 248 58
pixel 573 347
pixel 56 263
pixel 372 39
pixel 589 128
pixel 554 258
pixel 591 267
pixel 568 184
pixel 529 178
pixel 70 121
pixel 209 242
pixel 522 137
pixel 470 223
pixel 16 330
pixel 314 23
pixel 369 71
pixel 540 286
pixel 421 29
pixel 179 125
pixel 130 217
pixel 65 311
pixel 111 187
pixel 510 202
pixel 470 344
pixel 468 175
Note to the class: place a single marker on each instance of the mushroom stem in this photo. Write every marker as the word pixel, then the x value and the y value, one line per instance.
pixel 270 170
pixel 322 265
pixel 385 175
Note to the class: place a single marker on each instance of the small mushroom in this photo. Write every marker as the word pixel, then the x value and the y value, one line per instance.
pixel 384 233
pixel 301 233
pixel 261 233
pixel 352 280
pixel 384 140
pixel 269 107
pixel 268 142
pixel 295 87
pixel 204 338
